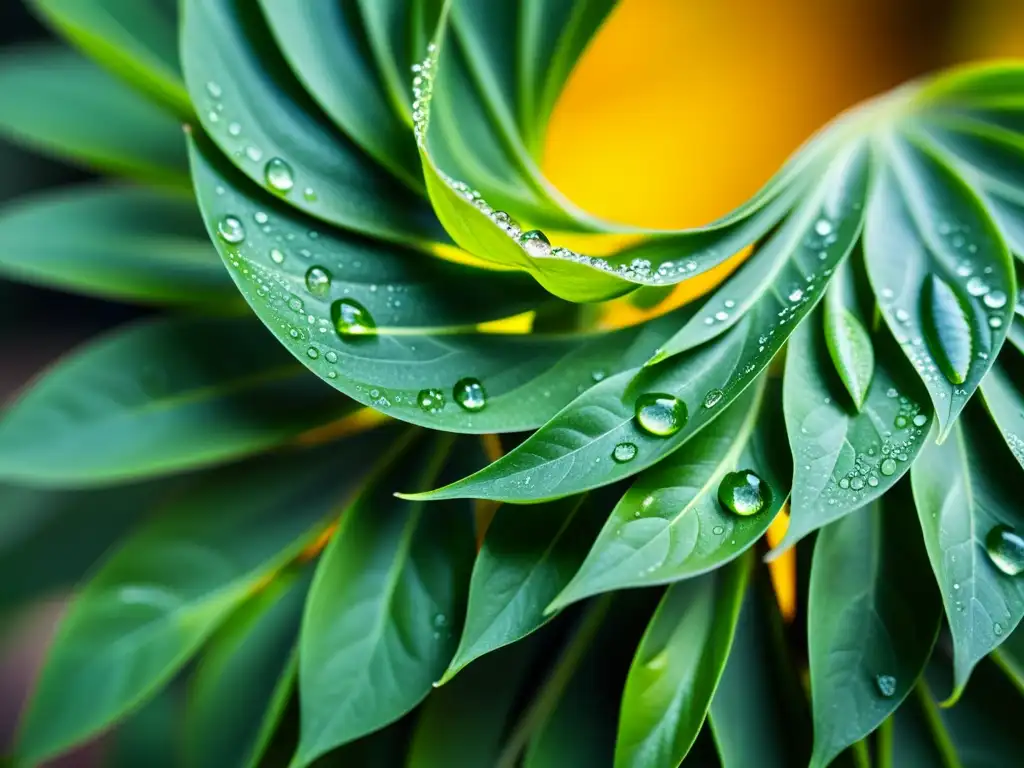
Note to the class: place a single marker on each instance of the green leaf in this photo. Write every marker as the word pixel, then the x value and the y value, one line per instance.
pixel 384 609
pixel 151 605
pixel 245 677
pixel 951 255
pixel 159 397
pixel 677 666
pixel 54 101
pixel 908 737
pixel 464 722
pixel 1005 404
pixel 873 617
pixel 528 556
pixel 759 714
pixel 149 736
pixel 849 345
pixel 114 242
pixel 136 39
pixel 670 524
pixel 843 460
pixel 251 105
pixel 963 488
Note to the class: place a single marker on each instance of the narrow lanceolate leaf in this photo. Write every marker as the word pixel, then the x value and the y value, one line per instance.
pixel 169 586
pixel 384 611
pixel 244 678
pixel 873 617
pixel 677 667
pixel 843 459
pixel 251 105
pixel 1005 403
pixel 966 498
pixel 671 524
pixel 114 242
pixel 57 102
pixel 939 296
pixel 528 556
pixel 137 39
pixel 160 397
pixel 849 345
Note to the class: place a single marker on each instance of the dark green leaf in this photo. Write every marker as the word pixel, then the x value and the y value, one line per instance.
pixel 1005 403
pixel 908 738
pixel 677 666
pixel 160 397
pixel 54 101
pixel 114 242
pixel 383 614
pixel 149 736
pixel 873 617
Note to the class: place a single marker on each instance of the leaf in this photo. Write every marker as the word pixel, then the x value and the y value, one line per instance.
pixel 136 39
pixel 841 460
pixel 168 587
pixel 873 618
pixel 962 489
pixel 923 211
pixel 908 737
pixel 149 736
pixel 158 397
pixel 235 73
pixel 383 612
pixel 670 524
pixel 54 101
pixel 849 345
pixel 1005 404
pixel 677 666
pixel 759 714
pixel 245 677
pixel 114 242
pixel 528 555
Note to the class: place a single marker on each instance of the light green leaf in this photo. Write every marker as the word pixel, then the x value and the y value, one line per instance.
pixel 151 605
pixel 962 489
pixel 114 242
pixel 245 677
pixel 54 101
pixel 842 460
pixel 384 609
pixel 528 556
pixel 159 397
pixel 947 328
pixel 1005 404
pixel 849 346
pixel 677 666
pixel 258 114
pixel 873 616
pixel 670 524
pixel 136 39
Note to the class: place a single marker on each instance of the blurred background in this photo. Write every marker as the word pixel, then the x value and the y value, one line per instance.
pixel 679 111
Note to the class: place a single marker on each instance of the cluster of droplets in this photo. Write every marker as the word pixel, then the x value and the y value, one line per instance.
pixel 979 287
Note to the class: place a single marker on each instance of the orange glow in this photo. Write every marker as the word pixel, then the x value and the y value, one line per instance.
pixel 783 568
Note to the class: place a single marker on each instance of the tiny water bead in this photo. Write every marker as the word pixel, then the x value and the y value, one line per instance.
pixel 231 230
pixel 276 256
pixel 713 398
pixel 660 414
pixel 279 175
pixel 1005 549
pixel 470 394
pixel 886 685
pixel 313 353
pixel 318 281
pixel 351 318
pixel 624 452
pixel 744 493
pixel 431 400
pixel 535 243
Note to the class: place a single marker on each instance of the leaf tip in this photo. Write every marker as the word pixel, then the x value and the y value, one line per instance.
pixel 658 356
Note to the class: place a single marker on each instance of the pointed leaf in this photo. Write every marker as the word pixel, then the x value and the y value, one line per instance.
pixel 1005 403
pixel 947 329
pixel 850 348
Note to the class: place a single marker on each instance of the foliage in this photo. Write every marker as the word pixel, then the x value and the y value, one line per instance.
pixel 354 202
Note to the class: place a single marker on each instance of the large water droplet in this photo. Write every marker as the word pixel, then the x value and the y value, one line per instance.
pixel 624 452
pixel 886 685
pixel 431 400
pixel 535 243
pixel 351 318
pixel 231 230
pixel 887 467
pixel 469 393
pixel 744 493
pixel 659 414
pixel 279 175
pixel 1005 549
pixel 995 300
pixel 318 281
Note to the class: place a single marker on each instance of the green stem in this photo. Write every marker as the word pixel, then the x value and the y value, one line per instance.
pixel 938 730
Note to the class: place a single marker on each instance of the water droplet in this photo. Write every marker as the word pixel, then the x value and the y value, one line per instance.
pixel 431 400
pixel 1005 549
pixel 276 256
pixel 535 243
pixel 254 153
pixel 351 318
pixel 976 286
pixel 713 398
pixel 659 414
pixel 440 620
pixel 469 393
pixel 235 129
pixel 260 217
pixel 309 194
pixel 887 467
pixel 278 175
pixel 997 628
pixel 231 230
pixel 995 300
pixel 624 452
pixel 744 493
pixel 995 322
pixel 214 90
pixel 718 530
pixel 312 353
pixel 318 281
pixel 823 227
pixel 886 685
pixel 920 420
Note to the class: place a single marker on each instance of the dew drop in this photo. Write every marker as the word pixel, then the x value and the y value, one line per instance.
pixel 659 414
pixel 886 685
pixel 235 129
pixel 535 243
pixel 469 393
pixel 430 400
pixel 351 318
pixel 276 256
pixel 230 230
pixel 214 90
pixel 718 530
pixel 278 175
pixel 312 353
pixel 624 452
pixel 823 227
pixel 920 420
pixel 713 398
pixel 976 286
pixel 744 493
pixel 1005 549
pixel 995 300
pixel 887 467
pixel 318 281
pixel 309 194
